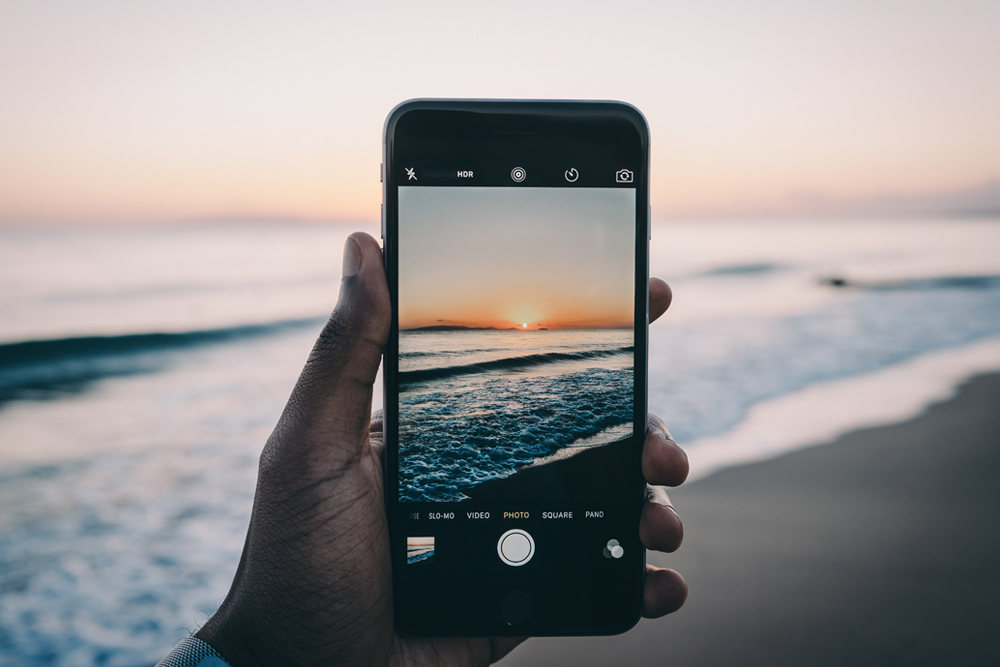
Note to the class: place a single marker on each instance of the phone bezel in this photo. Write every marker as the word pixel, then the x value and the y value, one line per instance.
pixel 518 115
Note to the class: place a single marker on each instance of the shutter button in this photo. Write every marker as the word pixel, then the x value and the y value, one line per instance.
pixel 516 547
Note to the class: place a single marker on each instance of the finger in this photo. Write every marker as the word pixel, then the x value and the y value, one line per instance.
pixel 663 462
pixel 332 397
pixel 660 527
pixel 665 591
pixel 375 435
pixel 660 297
pixel 375 425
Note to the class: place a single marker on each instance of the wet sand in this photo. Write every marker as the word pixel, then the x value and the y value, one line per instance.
pixel 571 478
pixel 882 548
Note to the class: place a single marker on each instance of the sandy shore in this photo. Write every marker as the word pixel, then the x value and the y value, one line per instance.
pixel 571 477
pixel 882 548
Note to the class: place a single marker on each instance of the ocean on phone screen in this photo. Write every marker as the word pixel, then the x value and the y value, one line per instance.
pixel 476 405
pixel 143 369
pixel 419 549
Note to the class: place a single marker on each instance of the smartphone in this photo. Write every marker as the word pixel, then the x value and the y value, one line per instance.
pixel 516 249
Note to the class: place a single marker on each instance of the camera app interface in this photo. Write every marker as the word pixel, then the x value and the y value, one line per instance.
pixel 516 349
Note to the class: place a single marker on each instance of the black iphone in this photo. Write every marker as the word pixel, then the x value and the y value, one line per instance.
pixel 516 248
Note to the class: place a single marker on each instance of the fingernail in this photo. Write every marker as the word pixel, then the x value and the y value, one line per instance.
pixel 352 258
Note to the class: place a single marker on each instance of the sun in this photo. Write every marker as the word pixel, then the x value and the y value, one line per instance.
pixel 524 325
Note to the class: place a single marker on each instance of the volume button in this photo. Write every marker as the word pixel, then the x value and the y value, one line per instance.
pixel 383 222
pixel 381 172
pixel 649 222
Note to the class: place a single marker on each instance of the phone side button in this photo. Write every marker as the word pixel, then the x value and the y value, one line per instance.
pixel 516 608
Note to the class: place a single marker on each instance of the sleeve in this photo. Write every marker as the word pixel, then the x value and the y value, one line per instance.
pixel 192 652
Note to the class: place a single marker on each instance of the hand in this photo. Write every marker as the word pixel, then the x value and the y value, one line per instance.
pixel 314 585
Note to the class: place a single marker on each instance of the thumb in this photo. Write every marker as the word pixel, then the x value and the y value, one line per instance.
pixel 331 402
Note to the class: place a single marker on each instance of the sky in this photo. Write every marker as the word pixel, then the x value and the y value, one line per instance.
pixel 138 112
pixel 554 258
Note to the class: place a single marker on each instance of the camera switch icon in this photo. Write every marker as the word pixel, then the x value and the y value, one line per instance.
pixel 623 176
pixel 613 550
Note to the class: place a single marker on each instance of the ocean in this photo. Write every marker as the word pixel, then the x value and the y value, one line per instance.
pixel 476 405
pixel 141 371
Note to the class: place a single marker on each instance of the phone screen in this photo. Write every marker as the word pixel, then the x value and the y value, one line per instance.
pixel 516 388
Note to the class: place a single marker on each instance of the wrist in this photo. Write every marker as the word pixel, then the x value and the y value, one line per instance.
pixel 233 639
pixel 192 652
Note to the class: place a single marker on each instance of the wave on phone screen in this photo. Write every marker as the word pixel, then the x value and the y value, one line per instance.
pixel 516 339
pixel 479 404
pixel 419 549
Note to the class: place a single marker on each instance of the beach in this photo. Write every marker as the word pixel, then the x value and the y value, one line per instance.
pixel 879 548
pixel 138 383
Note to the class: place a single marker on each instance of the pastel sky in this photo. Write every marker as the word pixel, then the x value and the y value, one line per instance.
pixel 149 111
pixel 558 258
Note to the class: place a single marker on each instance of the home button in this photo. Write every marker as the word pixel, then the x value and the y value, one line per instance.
pixel 516 608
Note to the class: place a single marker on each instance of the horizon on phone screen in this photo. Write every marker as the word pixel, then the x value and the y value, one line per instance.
pixel 515 331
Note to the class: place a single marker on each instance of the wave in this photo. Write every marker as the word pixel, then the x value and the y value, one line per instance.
pixel 45 369
pixel 935 283
pixel 184 289
pixel 453 439
pixel 507 364
pixel 743 269
pixel 410 560
pixel 889 395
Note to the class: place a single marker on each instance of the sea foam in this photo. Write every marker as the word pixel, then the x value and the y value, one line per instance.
pixel 822 412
